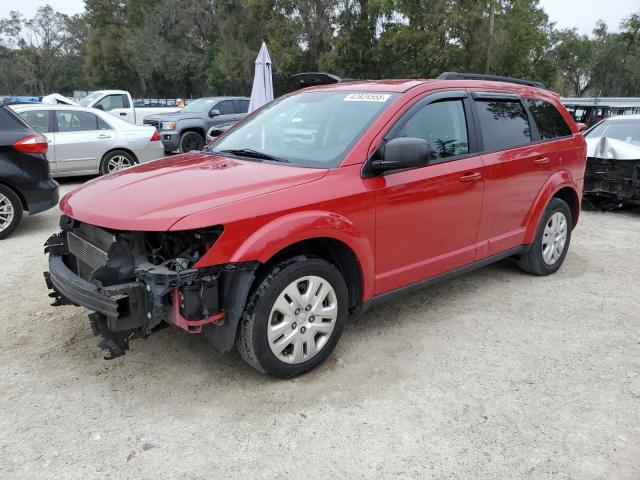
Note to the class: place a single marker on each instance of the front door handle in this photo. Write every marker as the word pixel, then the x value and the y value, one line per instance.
pixel 471 177
pixel 123 114
pixel 541 161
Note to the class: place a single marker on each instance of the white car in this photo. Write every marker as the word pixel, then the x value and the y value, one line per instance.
pixel 85 141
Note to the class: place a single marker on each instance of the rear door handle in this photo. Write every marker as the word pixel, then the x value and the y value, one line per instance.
pixel 104 136
pixel 541 161
pixel 123 114
pixel 471 177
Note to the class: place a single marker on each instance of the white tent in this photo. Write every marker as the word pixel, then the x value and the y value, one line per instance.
pixel 262 90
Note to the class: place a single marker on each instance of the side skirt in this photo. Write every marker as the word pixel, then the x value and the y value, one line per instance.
pixel 414 287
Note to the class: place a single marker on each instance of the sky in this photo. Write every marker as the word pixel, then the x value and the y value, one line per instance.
pixel 580 14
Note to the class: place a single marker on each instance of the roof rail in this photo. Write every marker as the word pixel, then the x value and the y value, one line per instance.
pixel 310 79
pixel 493 78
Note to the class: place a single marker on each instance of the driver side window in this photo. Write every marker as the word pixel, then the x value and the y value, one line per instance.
pixel 443 125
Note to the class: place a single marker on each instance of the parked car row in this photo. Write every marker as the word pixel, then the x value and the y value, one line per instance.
pixel 88 141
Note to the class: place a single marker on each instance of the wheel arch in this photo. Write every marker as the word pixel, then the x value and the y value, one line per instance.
pixel 561 185
pixel 23 200
pixel 198 130
pixel 331 250
pixel 115 149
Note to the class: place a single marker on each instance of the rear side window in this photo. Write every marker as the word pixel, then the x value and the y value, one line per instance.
pixel 72 121
pixel 549 120
pixel 244 106
pixel 442 125
pixel 504 124
pixel 38 119
pixel 225 107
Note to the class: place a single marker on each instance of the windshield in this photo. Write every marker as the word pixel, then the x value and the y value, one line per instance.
pixel 625 130
pixel 202 105
pixel 90 98
pixel 312 129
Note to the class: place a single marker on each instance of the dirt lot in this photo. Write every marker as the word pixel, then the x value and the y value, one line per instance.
pixel 493 375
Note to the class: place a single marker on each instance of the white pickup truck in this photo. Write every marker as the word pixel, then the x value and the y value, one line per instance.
pixel 119 104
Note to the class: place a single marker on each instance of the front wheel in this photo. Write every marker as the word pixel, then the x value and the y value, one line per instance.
pixel 551 243
pixel 190 141
pixel 294 317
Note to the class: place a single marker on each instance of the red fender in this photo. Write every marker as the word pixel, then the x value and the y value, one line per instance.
pixel 556 182
pixel 282 232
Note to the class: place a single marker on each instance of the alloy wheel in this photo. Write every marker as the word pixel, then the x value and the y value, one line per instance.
pixel 554 238
pixel 118 162
pixel 302 319
pixel 6 212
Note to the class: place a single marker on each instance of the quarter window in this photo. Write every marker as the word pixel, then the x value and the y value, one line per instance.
pixel 443 125
pixel 225 107
pixel 504 124
pixel 549 120
pixel 69 121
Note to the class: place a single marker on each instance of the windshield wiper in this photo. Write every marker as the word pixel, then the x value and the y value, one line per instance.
pixel 249 152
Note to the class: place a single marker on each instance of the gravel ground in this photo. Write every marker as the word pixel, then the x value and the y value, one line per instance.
pixel 496 374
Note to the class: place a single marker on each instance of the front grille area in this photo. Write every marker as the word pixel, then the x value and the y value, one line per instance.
pixel 89 247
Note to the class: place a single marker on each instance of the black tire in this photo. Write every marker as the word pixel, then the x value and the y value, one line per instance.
pixel 104 163
pixel 533 261
pixel 9 198
pixel 191 141
pixel 252 341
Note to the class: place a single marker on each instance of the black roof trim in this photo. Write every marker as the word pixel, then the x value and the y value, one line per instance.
pixel 493 78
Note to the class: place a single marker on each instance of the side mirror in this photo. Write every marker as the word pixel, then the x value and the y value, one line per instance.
pixel 213 113
pixel 403 152
pixel 99 107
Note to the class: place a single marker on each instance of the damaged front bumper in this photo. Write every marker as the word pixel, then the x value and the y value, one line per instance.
pixel 611 183
pixel 110 274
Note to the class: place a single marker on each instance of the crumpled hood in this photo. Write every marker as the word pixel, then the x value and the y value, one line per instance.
pixel 610 148
pixel 155 195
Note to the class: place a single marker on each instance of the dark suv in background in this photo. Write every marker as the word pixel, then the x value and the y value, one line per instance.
pixel 188 129
pixel 25 183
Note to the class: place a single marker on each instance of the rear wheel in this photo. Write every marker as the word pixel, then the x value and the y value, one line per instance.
pixel 549 248
pixel 294 317
pixel 115 161
pixel 190 141
pixel 10 211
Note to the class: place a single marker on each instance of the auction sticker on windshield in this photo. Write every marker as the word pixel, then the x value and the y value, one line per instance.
pixel 367 97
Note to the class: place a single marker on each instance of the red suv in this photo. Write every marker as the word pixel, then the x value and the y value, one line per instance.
pixel 323 203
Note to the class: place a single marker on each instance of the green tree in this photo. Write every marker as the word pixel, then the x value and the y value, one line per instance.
pixel 107 59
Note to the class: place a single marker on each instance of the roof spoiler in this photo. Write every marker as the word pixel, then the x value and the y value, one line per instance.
pixel 312 79
pixel 493 78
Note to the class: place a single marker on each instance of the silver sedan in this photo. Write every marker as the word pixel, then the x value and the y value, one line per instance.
pixel 86 141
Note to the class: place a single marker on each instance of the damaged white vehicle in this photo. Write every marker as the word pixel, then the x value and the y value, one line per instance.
pixel 612 178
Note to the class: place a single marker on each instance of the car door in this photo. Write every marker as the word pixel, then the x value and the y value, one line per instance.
pixel 227 109
pixel 42 121
pixel 117 105
pixel 515 169
pixel 427 218
pixel 81 138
